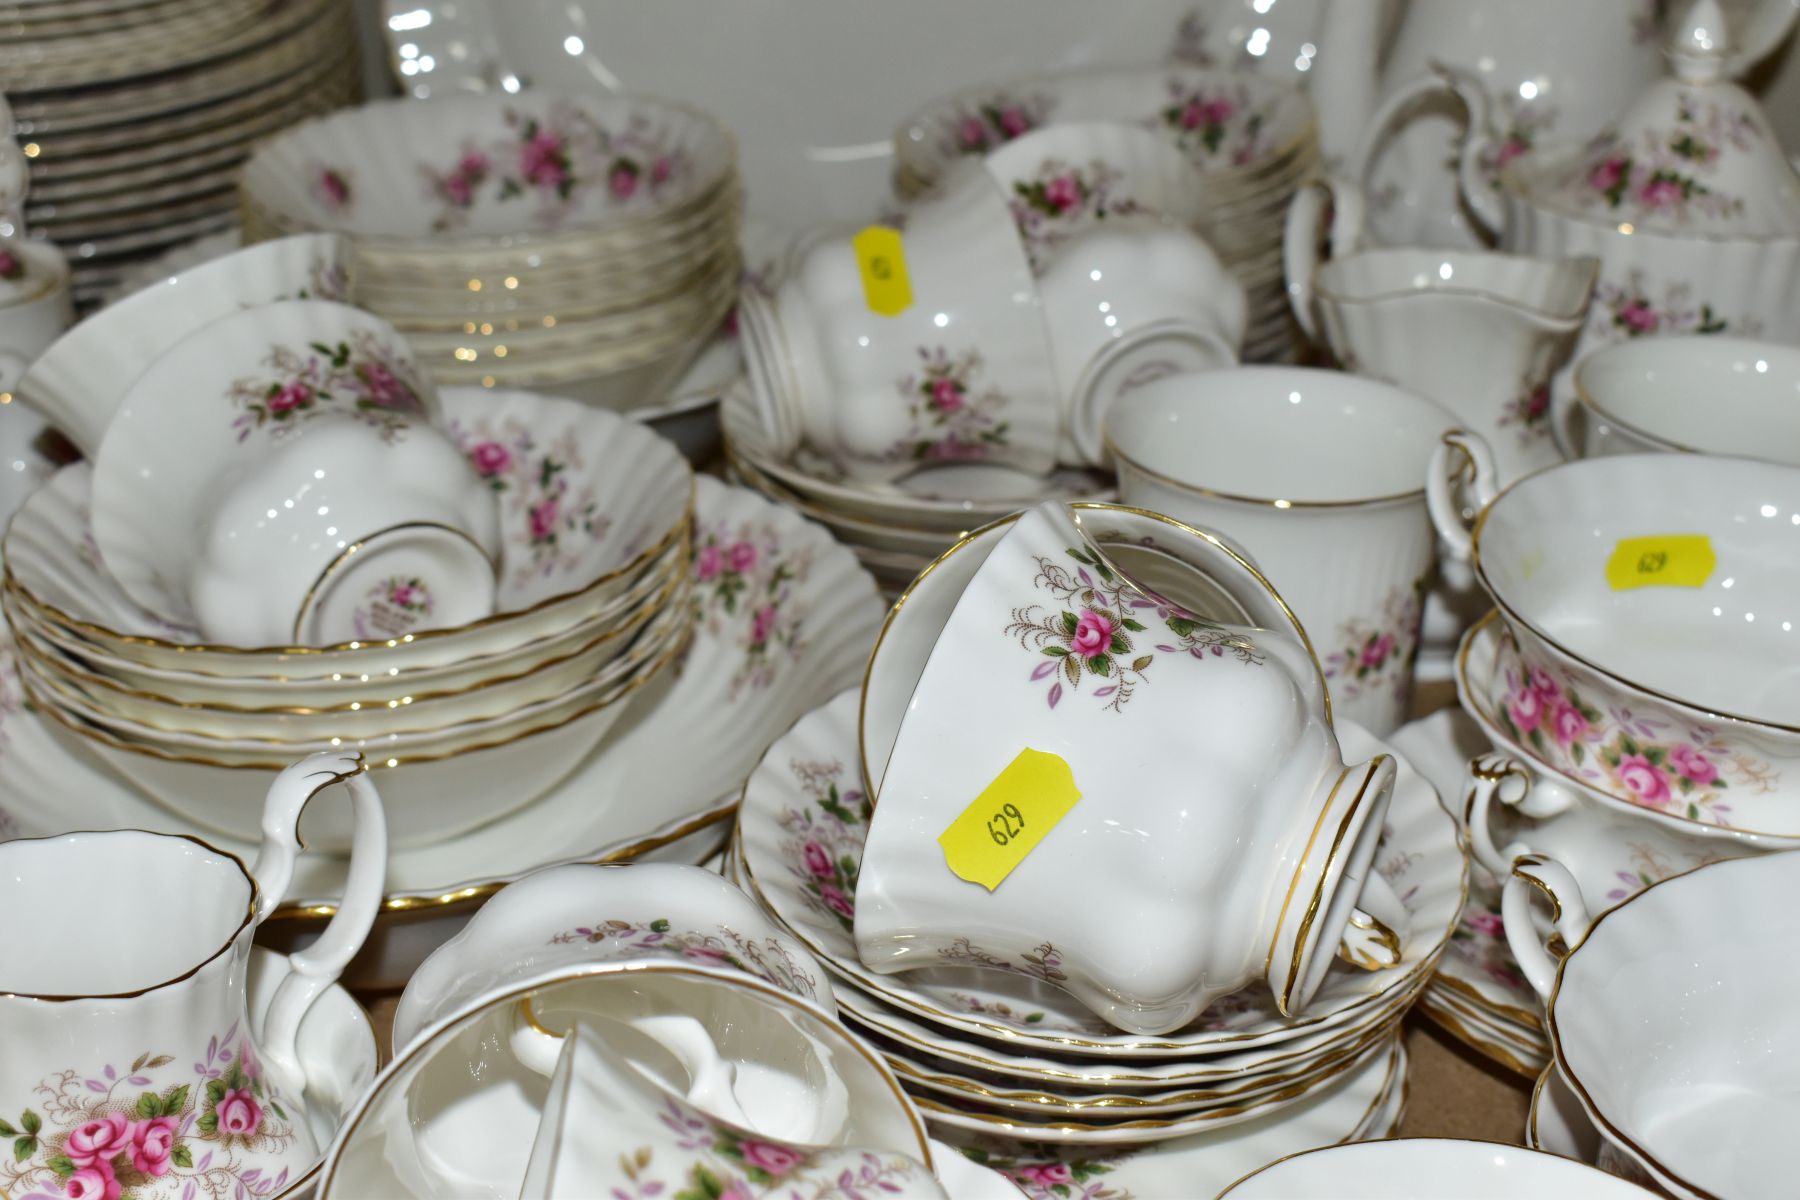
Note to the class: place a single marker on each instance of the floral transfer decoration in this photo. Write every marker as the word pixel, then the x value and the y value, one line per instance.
pixel 1048 1172
pixel 331 188
pixel 1528 414
pixel 718 1162
pixel 393 607
pixel 1093 631
pixel 1479 943
pixel 12 266
pixel 1376 656
pixel 823 849
pixel 1635 308
pixel 1044 964
pixel 559 159
pixel 766 958
pixel 744 587
pixel 359 375
pixel 1689 771
pixel 1212 124
pixel 1521 124
pixel 549 511
pixel 1060 200
pixel 1645 865
pixel 1663 174
pixel 978 127
pixel 145 1130
pixel 954 416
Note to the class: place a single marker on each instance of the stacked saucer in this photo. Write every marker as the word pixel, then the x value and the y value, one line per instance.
pixel 135 114
pixel 1251 138
pixel 462 722
pixel 585 243
pixel 894 531
pixel 1004 1059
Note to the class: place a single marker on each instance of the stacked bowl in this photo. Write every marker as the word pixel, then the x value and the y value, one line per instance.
pixel 474 668
pixel 1251 140
pixel 587 243
pixel 135 114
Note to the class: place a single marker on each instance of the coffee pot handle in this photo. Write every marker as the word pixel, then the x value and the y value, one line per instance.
pixel 1463 459
pixel 318 966
pixel 1568 917
pixel 1496 776
pixel 1472 155
pixel 1345 204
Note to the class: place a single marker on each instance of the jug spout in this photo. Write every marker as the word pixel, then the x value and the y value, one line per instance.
pixel 1345 74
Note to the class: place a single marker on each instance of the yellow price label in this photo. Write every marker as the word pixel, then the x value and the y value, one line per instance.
pixel 1010 817
pixel 881 257
pixel 1672 560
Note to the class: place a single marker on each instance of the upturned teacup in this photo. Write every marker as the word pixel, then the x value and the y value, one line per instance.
pixel 1319 477
pixel 130 1062
pixel 1671 1019
pixel 935 353
pixel 1053 669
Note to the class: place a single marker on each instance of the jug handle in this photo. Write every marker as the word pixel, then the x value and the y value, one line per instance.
pixel 1477 141
pixel 318 966
pixel 1460 453
pixel 1300 237
pixel 1568 917
pixel 1769 24
pixel 1497 776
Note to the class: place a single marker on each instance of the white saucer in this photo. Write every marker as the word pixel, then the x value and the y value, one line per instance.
pixel 644 793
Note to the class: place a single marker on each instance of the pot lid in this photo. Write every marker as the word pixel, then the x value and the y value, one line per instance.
pixel 1694 153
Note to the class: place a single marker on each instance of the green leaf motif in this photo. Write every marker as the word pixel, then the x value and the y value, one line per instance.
pixel 1056 652
pixel 1070 622
pixel 181 1156
pixel 24 1148
pixel 6 1129
pixel 63 1165
pixel 33 1125
pixel 149 1106
pixel 175 1099
pixel 208 1123
pixel 215 1091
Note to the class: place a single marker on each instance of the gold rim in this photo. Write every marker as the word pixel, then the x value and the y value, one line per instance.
pixel 1318 897
pixel 593 971
pixel 1118 455
pixel 645 608
pixel 1586 397
pixel 676 531
pixel 1574 314
pixel 92 732
pixel 969 539
pixel 1476 1000
pixel 1485 1047
pixel 1533 1139
pixel 1513 615
pixel 248 921
pixel 1241 1180
pixel 344 556
pixel 1560 1057
pixel 1527 1043
pixel 1478 708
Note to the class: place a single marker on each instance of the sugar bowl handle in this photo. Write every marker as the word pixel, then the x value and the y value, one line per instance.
pixel 319 965
pixel 1568 917
pixel 1498 777
pixel 1463 460
pixel 1344 203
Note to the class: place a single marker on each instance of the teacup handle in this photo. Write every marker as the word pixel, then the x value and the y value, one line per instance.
pixel 1568 915
pixel 1462 453
pixel 318 966
pixel 1300 239
pixel 1477 142
pixel 1496 776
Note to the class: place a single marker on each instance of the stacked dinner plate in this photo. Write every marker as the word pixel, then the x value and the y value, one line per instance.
pixel 895 532
pixel 585 243
pixel 461 724
pixel 1252 138
pixel 135 114
pixel 1010 1057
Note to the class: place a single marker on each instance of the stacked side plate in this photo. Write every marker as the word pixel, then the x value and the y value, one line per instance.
pixel 1001 1057
pixel 585 243
pixel 1252 138
pixel 135 114
pixel 895 532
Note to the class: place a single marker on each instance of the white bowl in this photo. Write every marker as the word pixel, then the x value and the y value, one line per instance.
pixel 1704 394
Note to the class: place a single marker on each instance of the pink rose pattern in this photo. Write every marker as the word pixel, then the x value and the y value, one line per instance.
pixel 1212 125
pixel 1061 200
pixel 724 1163
pixel 141 1131
pixel 331 186
pixel 745 582
pixel 978 127
pixel 393 607
pixel 1632 309
pixel 766 958
pixel 823 847
pixel 12 266
pixel 559 158
pixel 1529 412
pixel 954 418
pixel 1478 944
pixel 1046 1173
pixel 1663 175
pixel 550 518
pixel 1688 772
pixel 1378 655
pixel 361 376
pixel 1093 631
